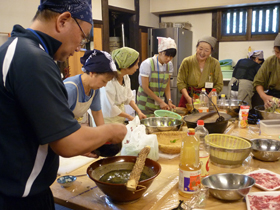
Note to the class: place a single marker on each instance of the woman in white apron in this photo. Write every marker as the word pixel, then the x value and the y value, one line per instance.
pixel 117 92
pixel 83 90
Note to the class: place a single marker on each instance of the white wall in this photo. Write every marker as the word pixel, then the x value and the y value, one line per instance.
pixel 96 9
pixel 145 17
pixel 238 50
pixel 201 25
pixel 169 6
pixel 125 4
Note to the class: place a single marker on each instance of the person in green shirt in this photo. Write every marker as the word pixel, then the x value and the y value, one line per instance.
pixel 268 76
pixel 199 71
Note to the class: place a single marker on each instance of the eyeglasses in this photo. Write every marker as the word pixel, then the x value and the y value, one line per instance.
pixel 85 39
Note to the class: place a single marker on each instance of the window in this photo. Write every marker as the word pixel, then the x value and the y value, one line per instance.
pixel 234 22
pixel 250 23
pixel 264 20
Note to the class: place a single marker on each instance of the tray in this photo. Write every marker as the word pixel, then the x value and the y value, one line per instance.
pixel 265 200
pixel 273 179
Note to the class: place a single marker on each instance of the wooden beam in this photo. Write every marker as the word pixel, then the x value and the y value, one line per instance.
pixel 105 28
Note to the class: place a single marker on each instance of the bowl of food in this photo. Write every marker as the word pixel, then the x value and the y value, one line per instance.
pixel 166 113
pixel 111 174
pixel 264 115
pixel 161 124
pixel 170 142
pixel 227 151
pixel 210 123
pixel 228 186
pixel 66 181
pixel 266 149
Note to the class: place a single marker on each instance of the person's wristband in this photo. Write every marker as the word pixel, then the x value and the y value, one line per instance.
pixel 170 100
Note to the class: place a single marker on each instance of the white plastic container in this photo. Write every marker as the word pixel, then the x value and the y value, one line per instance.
pixel 271 127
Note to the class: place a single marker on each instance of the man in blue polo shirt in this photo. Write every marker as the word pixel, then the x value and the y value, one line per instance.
pixel 36 124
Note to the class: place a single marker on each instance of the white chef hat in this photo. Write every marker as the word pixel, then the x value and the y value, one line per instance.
pixel 277 41
pixel 166 43
pixel 256 54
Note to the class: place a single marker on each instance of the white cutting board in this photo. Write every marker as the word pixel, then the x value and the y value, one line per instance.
pixel 67 165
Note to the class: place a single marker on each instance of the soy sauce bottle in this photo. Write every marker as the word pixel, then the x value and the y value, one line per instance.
pixel 108 149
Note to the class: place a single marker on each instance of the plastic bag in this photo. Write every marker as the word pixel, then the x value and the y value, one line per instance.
pixel 243 116
pixel 136 139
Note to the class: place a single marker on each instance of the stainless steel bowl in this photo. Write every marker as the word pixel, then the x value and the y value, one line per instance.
pixel 231 106
pixel 262 114
pixel 160 124
pixel 266 149
pixel 228 186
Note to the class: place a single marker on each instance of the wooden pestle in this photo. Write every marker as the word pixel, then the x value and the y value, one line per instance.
pixel 135 174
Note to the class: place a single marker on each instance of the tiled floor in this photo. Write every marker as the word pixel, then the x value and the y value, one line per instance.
pixel 59 207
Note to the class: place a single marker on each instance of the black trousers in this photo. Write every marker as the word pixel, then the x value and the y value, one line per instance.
pixel 42 201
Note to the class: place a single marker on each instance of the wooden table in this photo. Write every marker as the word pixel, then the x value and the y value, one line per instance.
pixel 163 193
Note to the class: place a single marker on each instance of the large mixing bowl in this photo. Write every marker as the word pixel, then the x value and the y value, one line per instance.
pixel 232 106
pixel 263 115
pixel 119 192
pixel 160 124
pixel 266 149
pixel 228 186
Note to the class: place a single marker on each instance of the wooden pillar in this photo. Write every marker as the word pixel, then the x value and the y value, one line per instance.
pixel 215 32
pixel 105 28
pixel 134 41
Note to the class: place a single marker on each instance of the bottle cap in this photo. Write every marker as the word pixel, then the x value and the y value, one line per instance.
pixel 191 131
pixel 223 95
pixel 214 89
pixel 200 122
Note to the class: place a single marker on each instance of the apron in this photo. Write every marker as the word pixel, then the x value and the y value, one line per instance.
pixel 157 84
pixel 80 111
pixel 274 93
pixel 116 119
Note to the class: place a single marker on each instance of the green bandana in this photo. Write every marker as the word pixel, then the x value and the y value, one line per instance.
pixel 125 56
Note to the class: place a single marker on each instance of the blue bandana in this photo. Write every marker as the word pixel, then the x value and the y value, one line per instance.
pixel 80 9
pixel 98 61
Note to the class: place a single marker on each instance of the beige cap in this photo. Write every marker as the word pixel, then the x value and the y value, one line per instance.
pixel 209 39
pixel 277 40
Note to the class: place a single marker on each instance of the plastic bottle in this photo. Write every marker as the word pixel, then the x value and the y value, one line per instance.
pixel 190 166
pixel 204 102
pixel 214 96
pixel 249 51
pixel 222 107
pixel 200 133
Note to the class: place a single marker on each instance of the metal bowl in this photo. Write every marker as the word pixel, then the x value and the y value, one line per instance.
pixel 266 149
pixel 231 106
pixel 263 115
pixel 160 124
pixel 228 186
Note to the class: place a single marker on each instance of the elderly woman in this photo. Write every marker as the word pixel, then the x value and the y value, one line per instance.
pixel 199 71
pixel 154 78
pixel 268 76
pixel 117 92
pixel 83 90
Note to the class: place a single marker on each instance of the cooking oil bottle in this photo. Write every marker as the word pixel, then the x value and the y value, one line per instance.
pixel 190 166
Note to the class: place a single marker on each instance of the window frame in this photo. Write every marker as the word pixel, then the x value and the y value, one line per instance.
pixel 248 36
